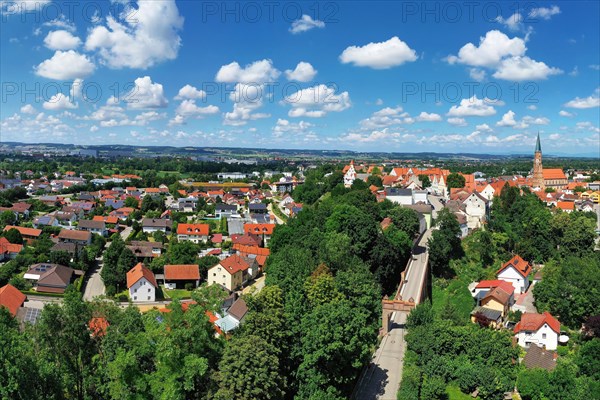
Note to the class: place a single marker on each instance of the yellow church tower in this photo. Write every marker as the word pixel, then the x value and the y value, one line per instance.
pixel 538 174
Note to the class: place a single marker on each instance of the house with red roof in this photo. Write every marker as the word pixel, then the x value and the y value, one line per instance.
pixel 8 250
pixel 180 275
pixel 11 298
pixel 231 272
pixel 193 232
pixel 516 271
pixel 539 329
pixel 566 206
pixel 141 284
pixel 28 234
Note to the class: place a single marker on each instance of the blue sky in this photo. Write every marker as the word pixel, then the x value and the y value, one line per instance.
pixel 480 77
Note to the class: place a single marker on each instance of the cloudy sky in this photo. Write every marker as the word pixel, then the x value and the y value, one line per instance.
pixel 480 77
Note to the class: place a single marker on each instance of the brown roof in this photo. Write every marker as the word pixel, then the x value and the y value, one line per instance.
pixel 11 298
pixel 138 272
pixel 74 234
pixel 248 239
pixel 24 231
pixel 56 279
pixel 187 272
pixel 94 224
pixel 238 309
pixel 538 357
pixel 498 294
pixel 156 223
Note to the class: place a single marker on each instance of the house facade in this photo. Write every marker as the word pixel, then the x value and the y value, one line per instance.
pixel 193 232
pixel 229 273
pixel 539 329
pixel 141 284
pixel 516 271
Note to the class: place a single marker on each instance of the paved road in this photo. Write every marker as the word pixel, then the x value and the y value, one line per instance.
pixel 382 378
pixel 94 286
pixel 256 286
pixel 416 270
pixel 126 232
pixel 279 220
pixel 435 202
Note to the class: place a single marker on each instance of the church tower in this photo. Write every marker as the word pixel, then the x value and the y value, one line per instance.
pixel 538 175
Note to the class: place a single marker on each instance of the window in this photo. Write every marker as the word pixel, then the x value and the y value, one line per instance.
pixel 148 290
pixel 135 297
pixel 148 297
pixel 543 336
pixel 214 274
pixel 135 291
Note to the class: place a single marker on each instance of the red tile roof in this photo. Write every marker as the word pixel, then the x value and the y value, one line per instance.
pixel 138 272
pixel 234 263
pixel 11 298
pixel 24 231
pixel 98 326
pixel 259 229
pixel 193 229
pixel 566 205
pixel 7 247
pixel 533 322
pixel 520 265
pixel 259 251
pixel 182 272
pixel 217 238
pixel 108 220
pixel 553 173
pixel 504 285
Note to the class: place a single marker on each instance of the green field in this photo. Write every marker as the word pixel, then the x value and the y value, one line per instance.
pixel 177 294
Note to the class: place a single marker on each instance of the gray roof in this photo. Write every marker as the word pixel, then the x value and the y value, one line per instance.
pixel 398 192
pixel 156 223
pixel 490 314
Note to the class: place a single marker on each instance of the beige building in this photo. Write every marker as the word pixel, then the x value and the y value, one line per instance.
pixel 229 273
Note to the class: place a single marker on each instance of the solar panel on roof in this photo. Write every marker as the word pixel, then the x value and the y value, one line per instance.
pixel 32 315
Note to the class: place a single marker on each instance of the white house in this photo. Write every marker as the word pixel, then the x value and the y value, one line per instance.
pixel 350 175
pixel 151 225
pixel 141 284
pixel 539 329
pixel 420 196
pixel 475 208
pixel 399 196
pixel 438 186
pixel 193 232
pixel 488 192
pixel 516 271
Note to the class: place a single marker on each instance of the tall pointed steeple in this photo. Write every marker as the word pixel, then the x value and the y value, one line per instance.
pixel 537 180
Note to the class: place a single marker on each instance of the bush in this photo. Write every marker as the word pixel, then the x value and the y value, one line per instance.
pixel 433 388
pixel 411 383
pixel 189 286
pixel 123 298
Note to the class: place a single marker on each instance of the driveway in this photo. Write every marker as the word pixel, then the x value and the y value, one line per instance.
pixel 94 286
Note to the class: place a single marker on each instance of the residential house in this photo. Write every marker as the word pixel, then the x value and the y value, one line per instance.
pixel 8 250
pixel 82 238
pixel 349 174
pixel 28 234
pixel 516 271
pixel 70 248
pixel 263 230
pixel 145 251
pixel 230 273
pixel 225 210
pixel 178 276
pixel 151 225
pixel 539 357
pixel 11 298
pixel 122 213
pixel 187 205
pixel 257 253
pixel 493 316
pixel 499 298
pixel 259 208
pixel 399 196
pixel 539 329
pixel 233 317
pixel 248 239
pixel 21 210
pixel 97 227
pixel 51 278
pixel 476 207
pixel 141 284
pixel 566 206
pixel 193 232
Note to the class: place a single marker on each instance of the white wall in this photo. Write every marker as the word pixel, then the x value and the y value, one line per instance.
pixel 512 276
pixel 550 341
pixel 142 290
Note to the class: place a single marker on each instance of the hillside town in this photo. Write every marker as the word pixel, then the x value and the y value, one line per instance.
pixel 158 247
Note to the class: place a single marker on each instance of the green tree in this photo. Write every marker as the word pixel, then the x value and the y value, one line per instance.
pixel 60 257
pixel 455 180
pixel 375 180
pixel 13 236
pixel 131 202
pixel 405 219
pixel 425 181
pixel 258 359
pixel 588 359
pixel 7 218
pixel 444 244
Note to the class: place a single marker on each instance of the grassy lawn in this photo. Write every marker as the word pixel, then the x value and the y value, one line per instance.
pixel 454 393
pixel 456 292
pixel 177 294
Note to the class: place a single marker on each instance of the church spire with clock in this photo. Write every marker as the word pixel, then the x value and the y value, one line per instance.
pixel 537 180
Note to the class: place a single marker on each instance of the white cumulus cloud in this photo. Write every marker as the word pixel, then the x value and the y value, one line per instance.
pixel 146 94
pixel 473 107
pixel 317 101
pixel 189 92
pixel 61 40
pixel 258 72
pixel 65 65
pixel 429 117
pixel 381 55
pixel 146 37
pixel 305 23
pixel 304 72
